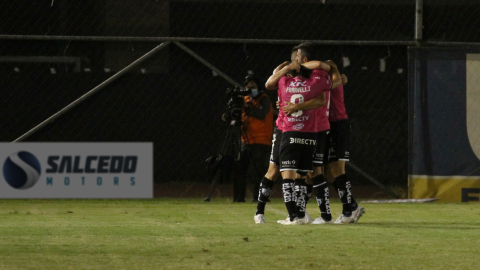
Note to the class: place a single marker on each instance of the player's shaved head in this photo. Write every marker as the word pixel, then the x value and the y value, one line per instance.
pixel 293 56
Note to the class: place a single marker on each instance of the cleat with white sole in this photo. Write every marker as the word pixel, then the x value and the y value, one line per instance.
pixel 320 220
pixel 358 214
pixel 295 221
pixel 259 218
pixel 282 221
pixel 302 221
pixel 342 219
pixel 353 218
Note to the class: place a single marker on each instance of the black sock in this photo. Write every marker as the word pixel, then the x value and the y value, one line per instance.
pixel 289 198
pixel 322 193
pixel 300 191
pixel 344 188
pixel 335 186
pixel 265 189
pixel 309 193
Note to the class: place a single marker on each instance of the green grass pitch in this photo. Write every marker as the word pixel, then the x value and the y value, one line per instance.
pixel 192 234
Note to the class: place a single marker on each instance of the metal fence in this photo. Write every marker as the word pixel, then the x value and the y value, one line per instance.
pixel 55 51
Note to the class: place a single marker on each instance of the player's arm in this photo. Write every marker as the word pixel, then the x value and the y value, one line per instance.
pixel 311 104
pixel 272 82
pixel 329 66
pixel 317 65
pixel 282 65
pixel 336 78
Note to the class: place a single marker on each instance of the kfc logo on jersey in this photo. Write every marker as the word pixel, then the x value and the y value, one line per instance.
pixel 298 126
pixel 298 84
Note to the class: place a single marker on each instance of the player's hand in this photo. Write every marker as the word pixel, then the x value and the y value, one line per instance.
pixel 344 79
pixel 278 104
pixel 282 65
pixel 248 99
pixel 289 108
pixel 331 63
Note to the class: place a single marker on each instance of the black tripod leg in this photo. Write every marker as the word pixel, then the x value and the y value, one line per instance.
pixel 207 199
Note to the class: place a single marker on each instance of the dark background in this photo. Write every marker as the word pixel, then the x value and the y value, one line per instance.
pixel 176 102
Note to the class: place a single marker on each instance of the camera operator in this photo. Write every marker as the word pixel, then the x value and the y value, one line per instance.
pixel 256 135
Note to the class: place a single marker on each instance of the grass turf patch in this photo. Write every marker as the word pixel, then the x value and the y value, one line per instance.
pixel 192 234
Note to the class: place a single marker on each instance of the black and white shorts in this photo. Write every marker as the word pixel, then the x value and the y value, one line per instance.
pixel 320 148
pixel 276 141
pixel 296 151
pixel 338 141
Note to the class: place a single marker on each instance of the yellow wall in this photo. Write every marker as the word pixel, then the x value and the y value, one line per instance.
pixel 445 188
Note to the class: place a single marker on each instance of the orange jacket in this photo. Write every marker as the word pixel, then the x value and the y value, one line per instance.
pixel 254 130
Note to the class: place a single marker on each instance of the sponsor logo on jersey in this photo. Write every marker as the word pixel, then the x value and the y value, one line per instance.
pixel 298 126
pixel 298 119
pixel 297 84
pixel 288 162
pixel 303 141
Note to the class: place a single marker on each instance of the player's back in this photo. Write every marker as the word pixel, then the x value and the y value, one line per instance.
pixel 298 90
pixel 323 112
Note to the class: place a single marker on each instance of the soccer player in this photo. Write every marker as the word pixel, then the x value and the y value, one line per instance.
pixel 274 167
pixel 306 52
pixel 273 172
pixel 299 136
pixel 338 154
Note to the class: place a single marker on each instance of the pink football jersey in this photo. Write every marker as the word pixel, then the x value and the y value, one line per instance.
pixel 323 112
pixel 337 105
pixel 298 90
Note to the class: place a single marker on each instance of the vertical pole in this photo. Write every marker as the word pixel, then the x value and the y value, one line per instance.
pixel 419 20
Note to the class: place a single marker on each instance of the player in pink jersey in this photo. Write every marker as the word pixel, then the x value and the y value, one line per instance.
pixel 337 154
pixel 266 184
pixel 273 171
pixel 316 178
pixel 299 137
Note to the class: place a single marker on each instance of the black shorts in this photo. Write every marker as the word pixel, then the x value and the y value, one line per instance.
pixel 296 151
pixel 320 148
pixel 276 141
pixel 338 141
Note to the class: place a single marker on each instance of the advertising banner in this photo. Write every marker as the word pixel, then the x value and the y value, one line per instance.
pixel 76 170
pixel 444 124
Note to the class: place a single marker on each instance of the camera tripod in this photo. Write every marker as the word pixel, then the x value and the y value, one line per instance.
pixel 221 165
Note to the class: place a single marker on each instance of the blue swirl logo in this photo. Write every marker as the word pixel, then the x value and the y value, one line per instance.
pixel 21 170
